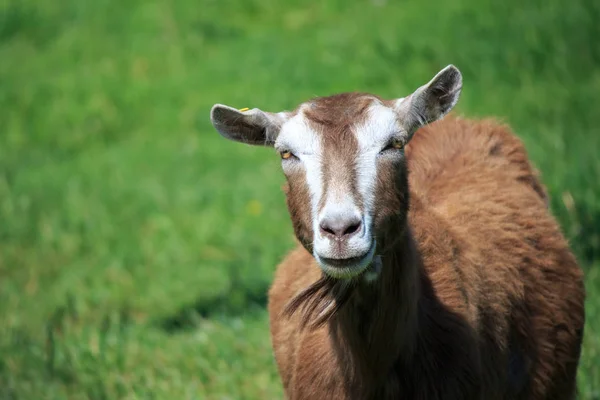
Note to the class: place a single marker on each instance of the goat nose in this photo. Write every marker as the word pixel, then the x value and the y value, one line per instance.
pixel 340 228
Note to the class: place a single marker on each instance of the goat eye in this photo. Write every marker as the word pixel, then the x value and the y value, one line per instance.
pixel 395 143
pixel 285 154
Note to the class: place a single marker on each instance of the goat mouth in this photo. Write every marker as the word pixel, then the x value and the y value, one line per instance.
pixel 345 268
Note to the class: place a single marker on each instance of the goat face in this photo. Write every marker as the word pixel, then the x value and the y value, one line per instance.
pixel 343 158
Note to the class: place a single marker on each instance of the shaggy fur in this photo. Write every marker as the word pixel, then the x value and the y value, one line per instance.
pixel 479 296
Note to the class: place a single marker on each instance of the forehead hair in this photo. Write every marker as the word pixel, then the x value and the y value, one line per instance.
pixel 339 111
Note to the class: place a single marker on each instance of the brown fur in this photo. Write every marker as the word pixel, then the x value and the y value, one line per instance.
pixel 479 296
pixel 299 206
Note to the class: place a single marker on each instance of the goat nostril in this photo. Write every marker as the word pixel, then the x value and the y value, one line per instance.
pixel 340 228
pixel 352 228
pixel 327 229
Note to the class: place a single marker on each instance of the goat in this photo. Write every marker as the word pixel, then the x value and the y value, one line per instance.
pixel 429 265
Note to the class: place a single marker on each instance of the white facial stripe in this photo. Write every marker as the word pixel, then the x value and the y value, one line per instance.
pixel 297 136
pixel 372 136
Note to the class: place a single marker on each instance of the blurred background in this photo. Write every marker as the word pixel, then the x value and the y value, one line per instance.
pixel 137 246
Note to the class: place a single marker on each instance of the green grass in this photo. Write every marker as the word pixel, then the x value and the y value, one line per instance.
pixel 137 246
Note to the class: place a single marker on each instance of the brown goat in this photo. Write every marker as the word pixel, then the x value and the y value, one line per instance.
pixel 469 293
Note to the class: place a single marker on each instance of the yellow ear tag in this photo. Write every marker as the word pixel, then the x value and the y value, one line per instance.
pixel 244 109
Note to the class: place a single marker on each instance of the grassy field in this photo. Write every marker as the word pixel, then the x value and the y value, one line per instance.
pixel 137 246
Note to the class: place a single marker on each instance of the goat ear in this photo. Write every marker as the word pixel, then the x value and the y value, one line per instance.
pixel 432 101
pixel 254 126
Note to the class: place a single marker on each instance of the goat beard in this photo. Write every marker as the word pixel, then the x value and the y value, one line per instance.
pixel 321 301
pixel 325 298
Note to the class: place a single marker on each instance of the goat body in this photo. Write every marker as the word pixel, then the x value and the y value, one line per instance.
pixel 479 296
